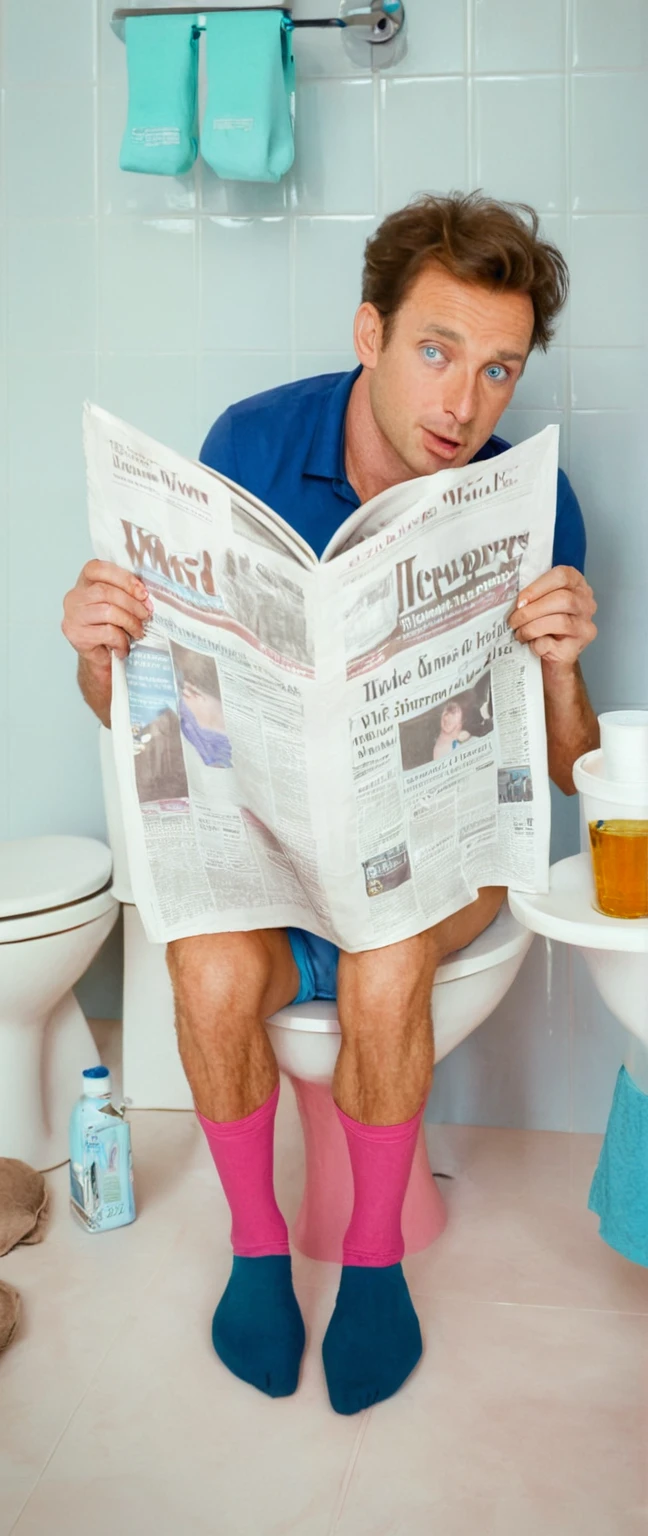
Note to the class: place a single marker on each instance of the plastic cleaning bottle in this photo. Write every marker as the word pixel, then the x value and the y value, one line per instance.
pixel 101 1162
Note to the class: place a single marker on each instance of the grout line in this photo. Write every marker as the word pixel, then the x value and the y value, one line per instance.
pixel 120 1328
pixel 568 103
pixel 348 1475
pixel 470 101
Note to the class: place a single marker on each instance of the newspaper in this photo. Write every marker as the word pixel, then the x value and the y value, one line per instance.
pixel 353 745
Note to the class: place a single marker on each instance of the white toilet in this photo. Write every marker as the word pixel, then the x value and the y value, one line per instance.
pixel 56 909
pixel 305 1037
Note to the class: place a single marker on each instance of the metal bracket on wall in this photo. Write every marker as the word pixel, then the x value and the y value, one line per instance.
pixel 381 19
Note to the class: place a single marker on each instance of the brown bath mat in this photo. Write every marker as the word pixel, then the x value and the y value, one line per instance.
pixel 9 1313
pixel 23 1204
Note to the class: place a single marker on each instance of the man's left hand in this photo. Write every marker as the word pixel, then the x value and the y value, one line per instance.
pixel 554 615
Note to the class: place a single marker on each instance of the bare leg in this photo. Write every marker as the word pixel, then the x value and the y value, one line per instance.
pixel 225 986
pixel 386 1063
pixel 383 1075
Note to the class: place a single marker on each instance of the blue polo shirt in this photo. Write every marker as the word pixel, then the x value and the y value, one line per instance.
pixel 287 447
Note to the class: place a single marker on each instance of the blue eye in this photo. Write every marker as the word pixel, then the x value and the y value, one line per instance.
pixel 429 349
pixel 495 371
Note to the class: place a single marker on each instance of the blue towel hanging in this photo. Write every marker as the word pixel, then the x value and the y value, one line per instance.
pixel 162 57
pixel 619 1192
pixel 247 129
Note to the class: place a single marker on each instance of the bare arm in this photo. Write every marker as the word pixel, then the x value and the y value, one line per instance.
pixel 572 726
pixel 554 617
pixel 96 686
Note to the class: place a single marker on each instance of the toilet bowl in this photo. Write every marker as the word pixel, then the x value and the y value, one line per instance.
pixel 468 986
pixel 615 949
pixel 56 909
pixel 306 1038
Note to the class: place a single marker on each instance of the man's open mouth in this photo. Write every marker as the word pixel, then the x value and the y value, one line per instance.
pixel 447 446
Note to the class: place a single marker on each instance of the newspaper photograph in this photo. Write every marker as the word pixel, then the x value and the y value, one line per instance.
pixel 353 746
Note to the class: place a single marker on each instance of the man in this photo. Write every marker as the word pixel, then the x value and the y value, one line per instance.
pixel 456 293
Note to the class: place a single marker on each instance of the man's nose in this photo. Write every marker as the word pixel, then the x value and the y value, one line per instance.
pixel 459 397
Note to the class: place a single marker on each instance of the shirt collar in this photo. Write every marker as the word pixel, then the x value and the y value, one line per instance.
pixel 325 457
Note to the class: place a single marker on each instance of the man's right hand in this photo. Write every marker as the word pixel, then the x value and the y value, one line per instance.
pixel 104 612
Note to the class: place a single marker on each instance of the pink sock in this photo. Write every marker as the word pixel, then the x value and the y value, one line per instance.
pixel 243 1153
pixel 381 1161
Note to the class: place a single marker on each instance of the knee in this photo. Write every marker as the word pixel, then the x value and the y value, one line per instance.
pixel 220 977
pixel 386 994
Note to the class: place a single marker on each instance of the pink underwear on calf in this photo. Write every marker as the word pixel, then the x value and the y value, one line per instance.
pixel 381 1162
pixel 243 1153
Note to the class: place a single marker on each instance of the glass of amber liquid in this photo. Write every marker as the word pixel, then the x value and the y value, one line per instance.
pixel 620 859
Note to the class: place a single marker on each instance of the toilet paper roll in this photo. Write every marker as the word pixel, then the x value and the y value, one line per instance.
pixel 624 742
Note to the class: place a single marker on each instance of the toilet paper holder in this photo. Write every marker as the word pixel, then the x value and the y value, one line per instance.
pixel 383 19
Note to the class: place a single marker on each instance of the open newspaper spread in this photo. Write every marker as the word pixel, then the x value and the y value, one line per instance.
pixel 353 745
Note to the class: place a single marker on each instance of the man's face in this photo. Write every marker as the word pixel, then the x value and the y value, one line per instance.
pixel 449 369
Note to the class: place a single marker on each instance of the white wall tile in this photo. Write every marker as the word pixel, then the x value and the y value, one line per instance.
pixel 435 37
pixel 278 300
pixel 245 284
pixel 50 542
pixel 65 794
pixel 308 364
pixel 609 378
pixel 111 52
pixel 45 446
pixel 514 1069
pixel 147 293
pixel 125 192
pixel 616 671
pixel 610 36
pixel 334 160
pixel 43 45
pixel 157 394
pixel 243 199
pixel 51 276
pixel 42 683
pixel 608 267
pixel 598 1048
pixel 519 34
pixel 610 143
pixel 544 381
pixel 225 377
pixel 608 451
pixel 327 281
pixel 520 137
pixel 49 151
pixel 423 139
pixel 516 425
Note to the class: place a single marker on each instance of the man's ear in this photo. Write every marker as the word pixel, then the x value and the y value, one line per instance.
pixel 367 335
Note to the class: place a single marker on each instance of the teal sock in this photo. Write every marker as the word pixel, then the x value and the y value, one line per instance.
pixel 373 1340
pixel 257 1329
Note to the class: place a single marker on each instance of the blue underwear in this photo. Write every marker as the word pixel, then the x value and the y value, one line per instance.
pixel 317 962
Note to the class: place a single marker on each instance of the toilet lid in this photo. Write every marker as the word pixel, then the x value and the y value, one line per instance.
pixel 38 873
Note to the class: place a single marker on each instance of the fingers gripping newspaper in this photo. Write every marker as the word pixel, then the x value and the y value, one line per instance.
pixel 353 745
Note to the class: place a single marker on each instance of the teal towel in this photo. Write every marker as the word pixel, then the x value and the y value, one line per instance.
pixel 247 131
pixel 162 58
pixel 619 1193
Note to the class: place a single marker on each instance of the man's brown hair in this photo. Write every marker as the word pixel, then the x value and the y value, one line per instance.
pixel 477 240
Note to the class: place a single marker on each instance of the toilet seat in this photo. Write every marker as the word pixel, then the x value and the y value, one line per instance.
pixel 567 911
pixel 50 884
pixel 504 938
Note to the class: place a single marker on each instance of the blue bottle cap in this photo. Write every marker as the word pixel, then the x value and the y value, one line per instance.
pixel 96 1082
